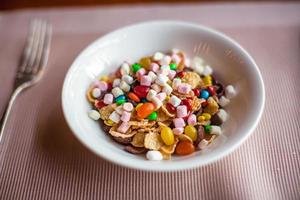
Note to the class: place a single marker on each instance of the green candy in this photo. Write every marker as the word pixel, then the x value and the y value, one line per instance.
pixel 121 101
pixel 136 67
pixel 152 116
pixel 207 128
pixel 173 66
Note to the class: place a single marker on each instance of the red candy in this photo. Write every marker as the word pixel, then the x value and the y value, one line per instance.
pixel 196 92
pixel 204 104
pixel 187 103
pixel 170 108
pixel 109 86
pixel 211 90
pixel 141 91
pixel 180 74
pixel 99 104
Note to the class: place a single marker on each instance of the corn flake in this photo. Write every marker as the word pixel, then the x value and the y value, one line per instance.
pixel 153 141
pixel 138 139
pixel 193 79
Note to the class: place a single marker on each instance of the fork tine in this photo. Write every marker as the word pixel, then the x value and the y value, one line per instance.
pixel 35 47
pixel 43 49
pixel 28 48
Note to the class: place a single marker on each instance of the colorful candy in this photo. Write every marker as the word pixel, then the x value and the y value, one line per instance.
pixel 161 105
pixel 167 135
pixel 145 110
pixel 184 148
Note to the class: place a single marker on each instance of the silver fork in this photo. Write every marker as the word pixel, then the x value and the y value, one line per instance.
pixel 32 64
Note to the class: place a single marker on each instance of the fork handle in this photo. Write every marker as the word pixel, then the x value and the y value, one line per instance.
pixel 7 110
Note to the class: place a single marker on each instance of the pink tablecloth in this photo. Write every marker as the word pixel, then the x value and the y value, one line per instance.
pixel 40 158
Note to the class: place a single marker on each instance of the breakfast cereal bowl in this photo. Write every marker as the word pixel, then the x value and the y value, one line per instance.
pixel 231 63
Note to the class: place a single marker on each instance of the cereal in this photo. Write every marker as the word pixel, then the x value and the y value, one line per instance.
pixel 135 150
pixel 161 105
pixel 138 139
pixel 153 141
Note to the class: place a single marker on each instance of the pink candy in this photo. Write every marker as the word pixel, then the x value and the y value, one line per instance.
pixel 123 128
pixel 161 96
pixel 146 80
pixel 141 72
pixel 178 122
pixel 125 116
pixel 154 67
pixel 184 88
pixel 108 98
pixel 102 86
pixel 181 111
pixel 192 120
pixel 178 131
pixel 172 74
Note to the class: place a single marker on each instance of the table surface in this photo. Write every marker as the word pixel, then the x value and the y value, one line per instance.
pixel 41 159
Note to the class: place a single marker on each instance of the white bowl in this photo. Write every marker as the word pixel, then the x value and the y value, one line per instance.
pixel 230 61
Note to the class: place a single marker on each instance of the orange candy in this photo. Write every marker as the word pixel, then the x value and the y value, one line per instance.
pixel 134 97
pixel 145 110
pixel 184 148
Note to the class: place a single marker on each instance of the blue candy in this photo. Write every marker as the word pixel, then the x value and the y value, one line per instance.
pixel 204 94
pixel 144 100
pixel 121 97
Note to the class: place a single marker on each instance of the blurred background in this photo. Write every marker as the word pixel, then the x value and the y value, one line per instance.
pixel 17 4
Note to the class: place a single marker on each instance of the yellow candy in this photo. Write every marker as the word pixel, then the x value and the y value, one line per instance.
pixel 201 118
pixel 110 122
pixel 167 98
pixel 167 135
pixel 138 106
pixel 207 116
pixel 104 78
pixel 191 131
pixel 207 80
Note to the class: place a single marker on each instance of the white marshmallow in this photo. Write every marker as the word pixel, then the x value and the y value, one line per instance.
pixel 158 56
pixel 117 92
pixel 176 59
pixel 203 144
pixel 199 69
pixel 116 82
pixel 207 70
pixel 119 110
pixel 174 50
pixel 154 155
pixel 115 117
pixel 216 130
pixel 124 86
pixel 95 115
pixel 128 79
pixel 156 87
pixel 125 69
pixel 152 75
pixel 157 102
pixel 166 60
pixel 175 101
pixel 161 80
pixel 223 101
pixel 223 115
pixel 167 89
pixel 151 94
pixel 196 62
pixel 176 82
pixel 96 92
pixel 230 92
pixel 187 62
pixel 128 106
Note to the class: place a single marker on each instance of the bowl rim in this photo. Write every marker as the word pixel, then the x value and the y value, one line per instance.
pixel 188 165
